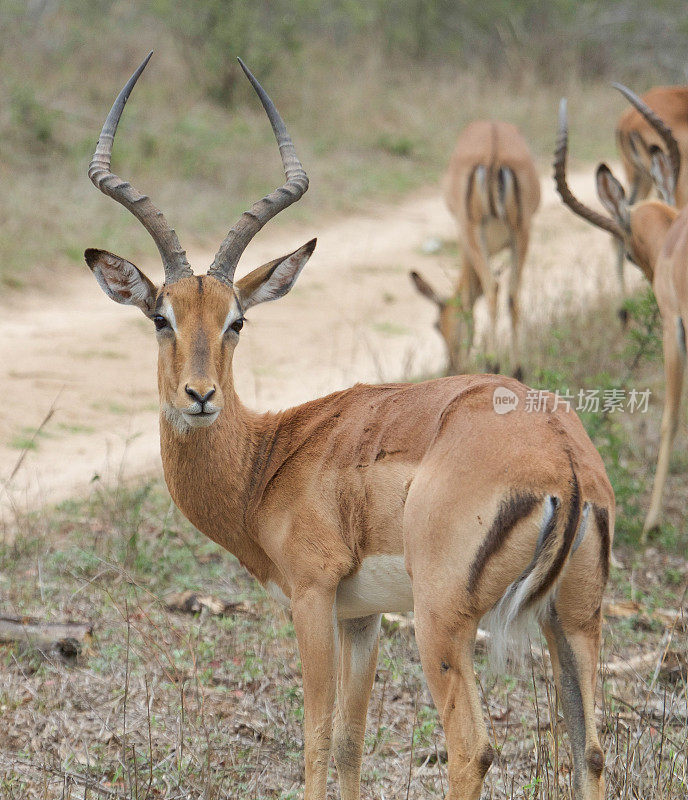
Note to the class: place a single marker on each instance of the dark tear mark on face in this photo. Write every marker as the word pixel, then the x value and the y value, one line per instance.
pixel 511 511
pixel 158 300
pixel 199 278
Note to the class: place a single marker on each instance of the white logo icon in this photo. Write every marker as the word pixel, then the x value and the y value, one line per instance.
pixel 504 400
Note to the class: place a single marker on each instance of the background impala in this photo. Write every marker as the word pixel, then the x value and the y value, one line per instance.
pixel 190 684
pixel 492 190
pixel 641 148
pixel 654 236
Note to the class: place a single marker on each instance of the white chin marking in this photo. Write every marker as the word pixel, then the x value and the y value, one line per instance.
pixel 200 420
pixel 381 584
pixel 175 418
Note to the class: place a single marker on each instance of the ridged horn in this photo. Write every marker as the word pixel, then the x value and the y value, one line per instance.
pixel 173 256
pixel 560 154
pixel 262 211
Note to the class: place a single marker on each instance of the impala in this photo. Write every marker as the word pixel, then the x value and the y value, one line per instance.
pixel 654 236
pixel 641 143
pixel 492 190
pixel 373 499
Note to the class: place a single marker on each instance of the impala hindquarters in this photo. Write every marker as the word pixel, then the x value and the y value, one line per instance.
pixel 373 499
pixel 517 535
pixel 492 190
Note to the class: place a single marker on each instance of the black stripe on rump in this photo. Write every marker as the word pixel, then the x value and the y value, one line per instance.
pixel 512 510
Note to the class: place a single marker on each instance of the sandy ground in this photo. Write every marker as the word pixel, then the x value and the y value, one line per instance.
pixel 353 316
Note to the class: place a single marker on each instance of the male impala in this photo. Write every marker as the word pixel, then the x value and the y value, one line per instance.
pixel 492 189
pixel 654 236
pixel 640 142
pixel 373 499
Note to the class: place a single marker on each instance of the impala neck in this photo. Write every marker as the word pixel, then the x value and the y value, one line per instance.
pixel 214 473
pixel 650 223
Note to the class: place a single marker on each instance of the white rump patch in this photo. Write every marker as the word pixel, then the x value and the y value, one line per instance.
pixel 381 584
pixel 582 528
pixel 509 624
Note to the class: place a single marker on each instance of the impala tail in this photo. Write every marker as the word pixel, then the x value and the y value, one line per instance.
pixel 507 201
pixel 493 193
pixel 562 527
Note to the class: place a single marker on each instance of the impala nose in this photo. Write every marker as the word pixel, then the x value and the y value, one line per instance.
pixel 201 398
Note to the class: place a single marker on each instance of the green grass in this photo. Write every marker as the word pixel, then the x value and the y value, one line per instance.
pixel 390 328
pixel 28 438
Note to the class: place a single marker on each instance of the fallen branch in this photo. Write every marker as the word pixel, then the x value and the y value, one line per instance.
pixel 190 602
pixel 672 665
pixel 667 617
pixel 65 639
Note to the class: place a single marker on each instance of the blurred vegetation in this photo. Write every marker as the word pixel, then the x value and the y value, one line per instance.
pixel 593 38
pixel 374 95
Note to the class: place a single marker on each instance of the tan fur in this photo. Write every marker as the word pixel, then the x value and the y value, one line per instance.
pixel 654 235
pixel 671 104
pixel 635 139
pixel 493 211
pixel 414 471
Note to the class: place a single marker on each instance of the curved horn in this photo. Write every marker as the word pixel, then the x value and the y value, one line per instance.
pixel 262 211
pixel 173 257
pixel 658 124
pixel 560 153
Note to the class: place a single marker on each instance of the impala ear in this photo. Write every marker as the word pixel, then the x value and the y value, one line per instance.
pixel 662 175
pixel 612 196
pixel 274 279
pixel 425 289
pixel 121 280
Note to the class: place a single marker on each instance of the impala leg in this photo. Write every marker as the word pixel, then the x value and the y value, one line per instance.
pixel 358 642
pixel 446 653
pixel 519 248
pixel 620 261
pixel 313 616
pixel 468 291
pixel 574 652
pixel 477 253
pixel 674 366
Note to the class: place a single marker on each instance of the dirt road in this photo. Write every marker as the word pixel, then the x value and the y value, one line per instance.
pixel 353 316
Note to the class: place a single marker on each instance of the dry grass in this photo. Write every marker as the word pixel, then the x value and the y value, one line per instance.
pixel 366 129
pixel 168 705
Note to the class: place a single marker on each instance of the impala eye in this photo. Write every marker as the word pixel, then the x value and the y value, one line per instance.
pixel 160 322
pixel 237 325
